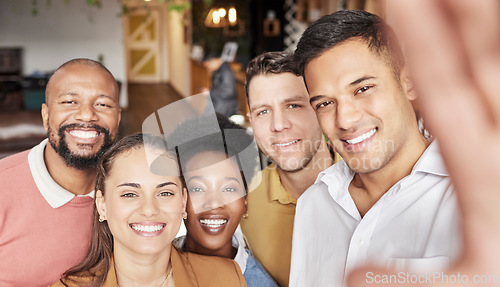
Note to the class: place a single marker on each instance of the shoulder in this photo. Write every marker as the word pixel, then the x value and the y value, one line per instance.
pixel 264 178
pixel 205 270
pixel 13 161
pixel 256 275
pixel 333 179
pixel 224 265
pixel 57 284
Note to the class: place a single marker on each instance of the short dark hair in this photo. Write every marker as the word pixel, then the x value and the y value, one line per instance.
pixel 231 140
pixel 344 25
pixel 270 63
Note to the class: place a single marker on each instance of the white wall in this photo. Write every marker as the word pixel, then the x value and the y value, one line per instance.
pixel 64 31
pixel 179 64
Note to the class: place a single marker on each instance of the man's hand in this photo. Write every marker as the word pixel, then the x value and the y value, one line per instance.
pixel 453 49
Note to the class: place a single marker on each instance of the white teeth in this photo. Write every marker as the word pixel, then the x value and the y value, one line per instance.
pixel 362 137
pixel 147 228
pixel 286 144
pixel 84 134
pixel 213 223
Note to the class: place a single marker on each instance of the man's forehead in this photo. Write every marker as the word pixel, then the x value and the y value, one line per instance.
pixel 80 73
pixel 276 87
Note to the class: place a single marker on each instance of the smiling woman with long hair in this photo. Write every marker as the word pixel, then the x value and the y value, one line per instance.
pixel 140 203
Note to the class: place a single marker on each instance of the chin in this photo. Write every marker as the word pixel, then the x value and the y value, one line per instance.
pixel 364 166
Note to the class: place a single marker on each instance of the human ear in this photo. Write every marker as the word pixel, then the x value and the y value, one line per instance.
pixel 184 198
pixel 407 84
pixel 100 203
pixel 45 116
pixel 249 116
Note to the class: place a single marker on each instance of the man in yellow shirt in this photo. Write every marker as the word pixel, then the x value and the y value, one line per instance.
pixel 288 133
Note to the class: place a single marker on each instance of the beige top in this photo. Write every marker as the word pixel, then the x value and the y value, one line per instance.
pixel 188 269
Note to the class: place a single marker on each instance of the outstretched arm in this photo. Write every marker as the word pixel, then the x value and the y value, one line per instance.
pixel 453 49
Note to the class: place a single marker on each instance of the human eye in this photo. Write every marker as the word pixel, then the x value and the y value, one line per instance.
pixel 166 193
pixel 230 189
pixel 196 189
pixel 263 112
pixel 323 104
pixel 128 195
pixel 104 105
pixel 363 89
pixel 68 102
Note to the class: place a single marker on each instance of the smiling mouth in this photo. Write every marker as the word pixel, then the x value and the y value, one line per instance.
pixel 84 134
pixel 362 137
pixel 213 223
pixel 286 144
pixel 147 228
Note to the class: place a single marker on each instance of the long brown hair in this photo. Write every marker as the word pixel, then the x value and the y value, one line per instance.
pixel 96 264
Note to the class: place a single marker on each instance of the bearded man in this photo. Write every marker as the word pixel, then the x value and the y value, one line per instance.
pixel 47 191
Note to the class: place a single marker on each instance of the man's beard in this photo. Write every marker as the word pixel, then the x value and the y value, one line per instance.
pixel 74 160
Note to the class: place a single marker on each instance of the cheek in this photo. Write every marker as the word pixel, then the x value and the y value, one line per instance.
pixel 237 208
pixel 326 123
pixel 195 204
pixel 189 208
pixel 117 212
pixel 111 120
pixel 306 122
pixel 260 130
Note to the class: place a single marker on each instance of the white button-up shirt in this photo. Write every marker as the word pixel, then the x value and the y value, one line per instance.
pixel 414 226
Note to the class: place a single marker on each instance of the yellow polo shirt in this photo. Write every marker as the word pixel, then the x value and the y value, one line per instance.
pixel 269 225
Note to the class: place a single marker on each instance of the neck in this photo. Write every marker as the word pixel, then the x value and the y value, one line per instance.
pixel 76 181
pixel 227 251
pixel 366 189
pixel 140 270
pixel 296 182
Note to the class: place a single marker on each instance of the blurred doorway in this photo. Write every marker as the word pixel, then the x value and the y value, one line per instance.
pixel 144 42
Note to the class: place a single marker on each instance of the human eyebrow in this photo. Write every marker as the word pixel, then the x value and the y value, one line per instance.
pixel 315 98
pixel 65 94
pixel 106 97
pixel 253 108
pixel 193 178
pixel 232 179
pixel 130 184
pixel 165 184
pixel 295 99
pixel 360 80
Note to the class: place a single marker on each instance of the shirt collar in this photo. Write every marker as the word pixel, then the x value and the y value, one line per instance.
pixel 237 242
pixel 340 174
pixel 276 189
pixel 431 161
pixel 55 195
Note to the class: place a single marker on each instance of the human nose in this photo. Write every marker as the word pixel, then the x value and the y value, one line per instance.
pixel 280 121
pixel 213 200
pixel 347 114
pixel 149 207
pixel 86 113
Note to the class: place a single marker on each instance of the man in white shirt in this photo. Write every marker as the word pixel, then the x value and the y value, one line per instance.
pixel 390 203
pixel 455 72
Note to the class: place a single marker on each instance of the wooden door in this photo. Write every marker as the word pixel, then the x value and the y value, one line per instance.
pixel 142 36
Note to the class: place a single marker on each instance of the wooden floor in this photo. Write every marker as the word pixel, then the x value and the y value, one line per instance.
pixel 144 99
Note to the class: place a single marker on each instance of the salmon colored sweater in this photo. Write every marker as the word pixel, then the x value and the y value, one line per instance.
pixel 37 242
